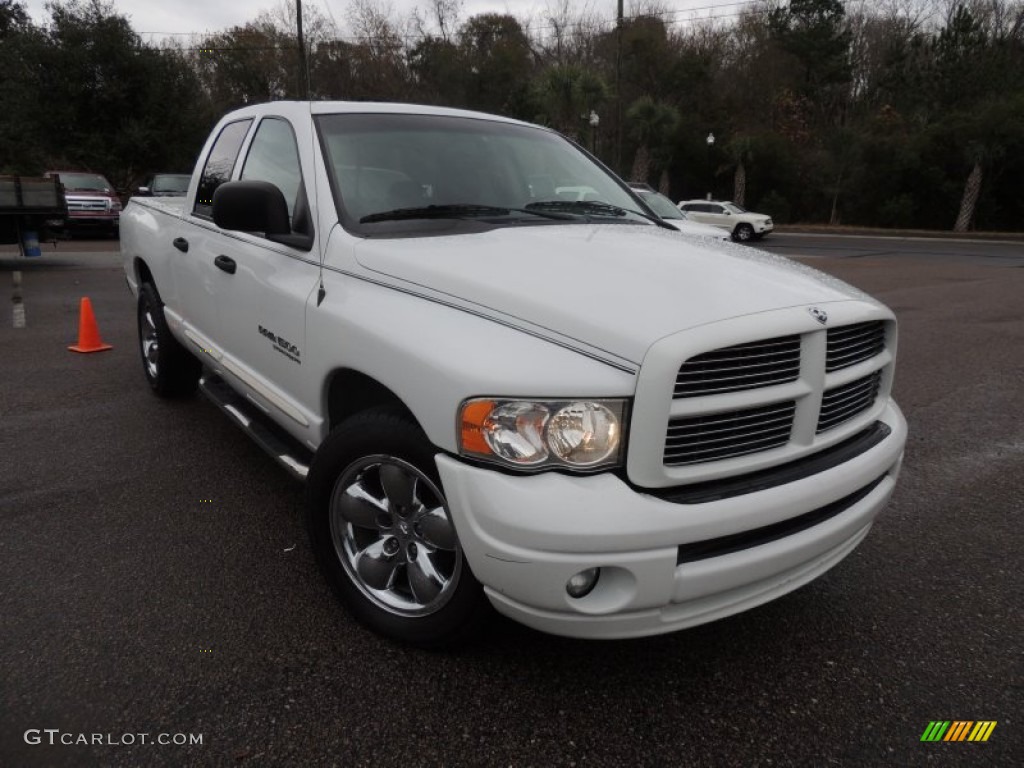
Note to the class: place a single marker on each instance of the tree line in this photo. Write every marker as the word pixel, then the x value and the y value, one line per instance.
pixel 892 113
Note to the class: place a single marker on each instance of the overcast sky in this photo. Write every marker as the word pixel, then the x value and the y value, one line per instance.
pixel 181 16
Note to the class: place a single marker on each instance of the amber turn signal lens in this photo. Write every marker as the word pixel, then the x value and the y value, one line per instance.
pixel 474 414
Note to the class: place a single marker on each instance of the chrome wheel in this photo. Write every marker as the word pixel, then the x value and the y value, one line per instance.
pixel 744 232
pixel 392 534
pixel 150 344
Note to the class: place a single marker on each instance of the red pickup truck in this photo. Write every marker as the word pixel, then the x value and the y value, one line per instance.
pixel 93 205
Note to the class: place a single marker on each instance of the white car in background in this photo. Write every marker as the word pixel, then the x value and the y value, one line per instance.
pixel 667 211
pixel 742 224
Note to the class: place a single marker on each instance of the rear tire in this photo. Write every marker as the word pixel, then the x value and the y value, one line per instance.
pixel 169 368
pixel 382 534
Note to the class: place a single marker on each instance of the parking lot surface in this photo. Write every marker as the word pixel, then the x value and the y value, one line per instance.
pixel 155 577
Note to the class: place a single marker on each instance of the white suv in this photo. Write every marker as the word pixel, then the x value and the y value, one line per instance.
pixel 741 223
pixel 672 216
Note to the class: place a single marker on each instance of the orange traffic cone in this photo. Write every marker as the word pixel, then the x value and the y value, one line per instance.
pixel 88 331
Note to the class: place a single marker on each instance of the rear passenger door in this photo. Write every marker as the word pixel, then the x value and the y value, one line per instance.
pixel 196 277
pixel 715 215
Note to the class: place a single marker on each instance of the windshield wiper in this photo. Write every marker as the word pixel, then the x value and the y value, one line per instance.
pixel 584 207
pixel 451 212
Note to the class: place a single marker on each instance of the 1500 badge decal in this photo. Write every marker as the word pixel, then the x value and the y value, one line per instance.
pixel 282 345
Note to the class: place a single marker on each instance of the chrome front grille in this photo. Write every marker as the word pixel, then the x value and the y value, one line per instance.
pixel 696 439
pixel 95 204
pixel 743 366
pixel 852 344
pixel 843 403
pixel 783 391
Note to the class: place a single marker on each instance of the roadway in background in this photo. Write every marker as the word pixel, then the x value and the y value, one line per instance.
pixel 155 576
pixel 937 250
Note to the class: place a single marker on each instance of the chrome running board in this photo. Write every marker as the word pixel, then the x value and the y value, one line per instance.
pixel 282 447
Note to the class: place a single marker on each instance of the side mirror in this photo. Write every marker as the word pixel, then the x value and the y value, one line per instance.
pixel 144 191
pixel 256 206
pixel 251 206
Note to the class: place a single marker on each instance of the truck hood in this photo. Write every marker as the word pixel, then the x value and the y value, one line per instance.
pixel 615 288
pixel 688 227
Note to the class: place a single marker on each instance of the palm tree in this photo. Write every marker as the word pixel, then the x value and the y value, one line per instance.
pixel 739 149
pixel 977 155
pixel 651 125
pixel 567 93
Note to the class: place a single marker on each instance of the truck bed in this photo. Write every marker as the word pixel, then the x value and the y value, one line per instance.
pixel 173 206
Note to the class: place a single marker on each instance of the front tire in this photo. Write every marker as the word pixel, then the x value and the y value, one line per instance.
pixel 381 530
pixel 743 233
pixel 169 368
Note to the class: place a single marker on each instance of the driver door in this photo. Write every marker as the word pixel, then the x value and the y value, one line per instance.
pixel 264 286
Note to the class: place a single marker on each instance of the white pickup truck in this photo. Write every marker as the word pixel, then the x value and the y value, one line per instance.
pixel 499 396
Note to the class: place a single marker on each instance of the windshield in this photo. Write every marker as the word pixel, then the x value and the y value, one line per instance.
pixel 462 168
pixel 170 183
pixel 91 182
pixel 734 208
pixel 660 204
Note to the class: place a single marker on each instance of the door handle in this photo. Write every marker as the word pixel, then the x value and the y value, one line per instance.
pixel 181 244
pixel 225 263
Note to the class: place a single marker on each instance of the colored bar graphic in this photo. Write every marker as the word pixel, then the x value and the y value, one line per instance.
pixel 982 730
pixel 958 730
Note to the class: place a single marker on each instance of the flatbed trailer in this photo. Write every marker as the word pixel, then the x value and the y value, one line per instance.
pixel 30 206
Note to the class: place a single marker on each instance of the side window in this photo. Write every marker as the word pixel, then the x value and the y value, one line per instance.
pixel 689 208
pixel 219 164
pixel 715 209
pixel 274 157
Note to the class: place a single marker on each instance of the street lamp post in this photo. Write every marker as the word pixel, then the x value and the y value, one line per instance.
pixel 303 67
pixel 594 121
pixel 711 143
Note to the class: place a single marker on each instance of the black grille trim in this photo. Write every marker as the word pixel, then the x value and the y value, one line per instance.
pixel 851 344
pixel 737 542
pixel 790 472
pixel 841 404
pixel 743 366
pixel 699 439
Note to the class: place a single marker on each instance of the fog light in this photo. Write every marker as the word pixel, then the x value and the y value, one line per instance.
pixel 583 582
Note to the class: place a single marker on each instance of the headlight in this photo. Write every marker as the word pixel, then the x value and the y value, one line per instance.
pixel 533 434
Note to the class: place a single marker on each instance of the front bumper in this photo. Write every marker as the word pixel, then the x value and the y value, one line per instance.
pixel 91 220
pixel 525 536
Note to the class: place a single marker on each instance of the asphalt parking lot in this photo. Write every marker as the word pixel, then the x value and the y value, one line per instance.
pixel 155 576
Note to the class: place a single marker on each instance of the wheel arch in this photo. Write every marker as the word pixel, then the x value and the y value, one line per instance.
pixel 349 392
pixel 143 274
